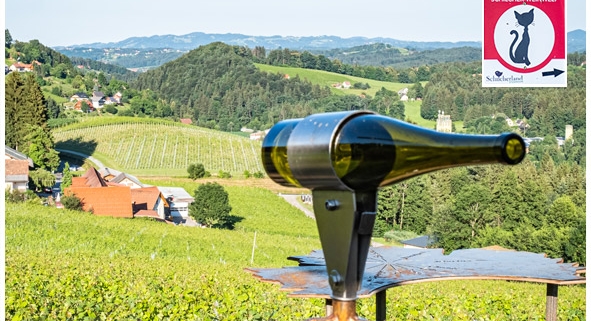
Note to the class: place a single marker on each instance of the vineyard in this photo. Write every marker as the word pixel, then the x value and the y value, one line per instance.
pixel 145 146
pixel 62 264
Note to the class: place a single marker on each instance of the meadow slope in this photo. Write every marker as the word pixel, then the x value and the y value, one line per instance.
pixel 63 264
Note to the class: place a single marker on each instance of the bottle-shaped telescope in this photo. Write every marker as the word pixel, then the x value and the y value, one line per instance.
pixel 364 151
pixel 345 157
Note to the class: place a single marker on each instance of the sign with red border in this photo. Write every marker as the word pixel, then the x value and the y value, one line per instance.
pixel 524 43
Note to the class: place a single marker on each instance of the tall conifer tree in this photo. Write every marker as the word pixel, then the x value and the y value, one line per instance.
pixel 15 129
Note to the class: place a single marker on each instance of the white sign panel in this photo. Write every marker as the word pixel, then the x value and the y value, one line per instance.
pixel 524 43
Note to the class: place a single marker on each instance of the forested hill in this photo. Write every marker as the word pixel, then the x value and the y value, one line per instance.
pixel 218 83
pixel 380 54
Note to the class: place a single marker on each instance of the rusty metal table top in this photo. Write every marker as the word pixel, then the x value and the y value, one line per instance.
pixel 394 266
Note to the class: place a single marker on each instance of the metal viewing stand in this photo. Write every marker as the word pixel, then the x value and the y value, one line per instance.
pixel 389 267
pixel 342 165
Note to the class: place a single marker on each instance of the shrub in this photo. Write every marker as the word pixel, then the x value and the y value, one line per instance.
pixel 110 109
pixel 211 206
pixel 222 174
pixel 14 197
pixel 71 202
pixel 196 171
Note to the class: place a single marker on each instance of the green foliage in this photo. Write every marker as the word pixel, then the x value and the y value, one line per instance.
pixel 574 249
pixel 41 178
pixel 511 206
pixel 71 202
pixel 219 96
pixel 223 174
pixel 110 109
pixel 359 85
pixel 387 103
pixel 66 177
pixel 212 206
pixel 40 149
pixel 196 171
pixel 7 39
pixel 14 196
pixel 563 213
pixel 26 120
pixel 258 174
pixel 547 111
pixel 487 125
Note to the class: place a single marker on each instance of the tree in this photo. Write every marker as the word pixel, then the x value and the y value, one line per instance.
pixel 53 108
pixel 41 178
pixel 388 203
pixel 563 213
pixel 35 111
pixel 211 206
pixel 574 249
pixel 66 177
pixel 7 39
pixel 15 130
pixel 196 171
pixel 40 149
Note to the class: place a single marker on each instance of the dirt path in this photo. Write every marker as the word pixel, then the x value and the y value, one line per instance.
pixel 293 200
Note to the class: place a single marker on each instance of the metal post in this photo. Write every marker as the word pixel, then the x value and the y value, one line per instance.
pixel 551 302
pixel 328 307
pixel 381 306
pixel 342 311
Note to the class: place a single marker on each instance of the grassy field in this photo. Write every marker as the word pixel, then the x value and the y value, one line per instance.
pixel 325 78
pixel 66 265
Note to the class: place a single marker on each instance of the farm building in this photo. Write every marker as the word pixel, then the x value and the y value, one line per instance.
pixel 149 202
pixel 16 170
pixel 179 201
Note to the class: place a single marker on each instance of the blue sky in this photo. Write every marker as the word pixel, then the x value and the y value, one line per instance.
pixel 68 22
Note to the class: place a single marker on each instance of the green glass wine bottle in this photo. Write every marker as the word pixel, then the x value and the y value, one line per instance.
pixel 368 151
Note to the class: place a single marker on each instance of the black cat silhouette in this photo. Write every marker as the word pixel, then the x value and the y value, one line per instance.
pixel 520 56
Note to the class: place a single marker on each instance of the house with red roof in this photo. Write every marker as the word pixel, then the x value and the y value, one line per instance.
pixel 16 170
pixel 149 202
pixel 100 198
pixel 21 67
pixel 118 198
pixel 78 105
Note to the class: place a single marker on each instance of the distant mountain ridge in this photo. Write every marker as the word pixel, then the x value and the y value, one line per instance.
pixel 576 41
pixel 193 40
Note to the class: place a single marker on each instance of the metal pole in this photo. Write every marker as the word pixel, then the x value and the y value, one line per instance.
pixel 381 306
pixel 328 306
pixel 551 302
pixel 342 311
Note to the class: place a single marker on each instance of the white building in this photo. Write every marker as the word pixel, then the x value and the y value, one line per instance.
pixel 178 199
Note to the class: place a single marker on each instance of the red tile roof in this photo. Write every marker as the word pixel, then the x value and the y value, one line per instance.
pixel 187 121
pixel 145 198
pixel 92 178
pixel 16 167
pixel 104 201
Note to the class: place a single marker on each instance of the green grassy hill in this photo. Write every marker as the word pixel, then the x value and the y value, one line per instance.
pixel 62 264
pixel 325 78
pixel 157 147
